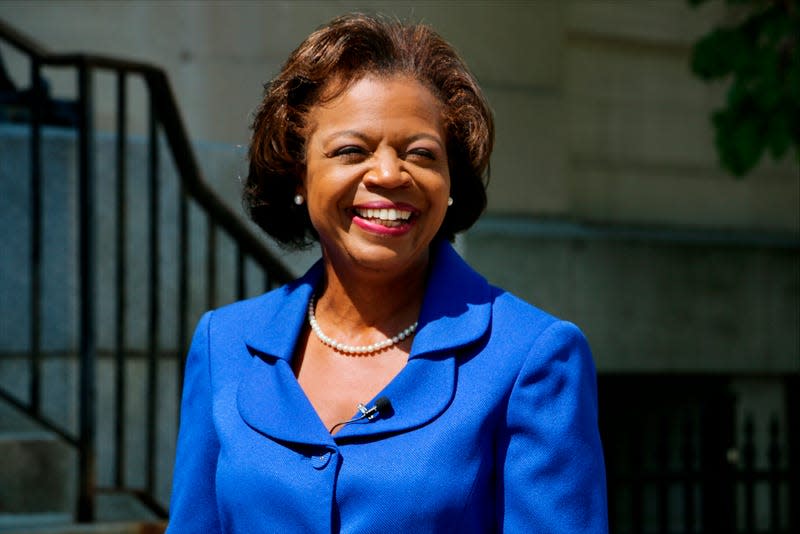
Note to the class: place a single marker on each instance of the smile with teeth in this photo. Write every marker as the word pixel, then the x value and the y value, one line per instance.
pixel 390 217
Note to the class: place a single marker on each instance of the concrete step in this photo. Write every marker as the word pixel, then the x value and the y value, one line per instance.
pixel 24 522
pixel 36 474
pixel 38 483
pixel 116 513
pixel 59 400
pixel 37 470
pixel 61 526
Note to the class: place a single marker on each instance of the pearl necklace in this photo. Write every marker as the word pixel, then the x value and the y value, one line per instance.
pixel 355 349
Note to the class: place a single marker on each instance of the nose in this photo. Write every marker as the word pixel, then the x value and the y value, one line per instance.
pixel 387 171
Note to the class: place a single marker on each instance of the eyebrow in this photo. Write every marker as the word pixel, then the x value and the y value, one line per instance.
pixel 346 133
pixel 433 138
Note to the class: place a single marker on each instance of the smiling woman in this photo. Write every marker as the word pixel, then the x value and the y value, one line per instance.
pixel 374 140
pixel 378 146
pixel 327 63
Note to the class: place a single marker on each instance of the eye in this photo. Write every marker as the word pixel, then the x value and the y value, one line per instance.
pixel 421 153
pixel 350 153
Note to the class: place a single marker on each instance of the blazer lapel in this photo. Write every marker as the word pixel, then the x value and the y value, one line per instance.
pixel 269 398
pixel 271 401
pixel 457 307
pixel 456 312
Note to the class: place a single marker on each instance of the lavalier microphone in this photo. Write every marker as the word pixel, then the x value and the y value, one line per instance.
pixel 382 407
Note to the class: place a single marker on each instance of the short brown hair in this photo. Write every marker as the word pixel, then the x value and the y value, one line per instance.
pixel 347 49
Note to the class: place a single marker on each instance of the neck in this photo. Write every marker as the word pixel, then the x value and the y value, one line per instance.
pixel 357 302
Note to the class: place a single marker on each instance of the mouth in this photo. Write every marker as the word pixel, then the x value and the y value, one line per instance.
pixel 388 217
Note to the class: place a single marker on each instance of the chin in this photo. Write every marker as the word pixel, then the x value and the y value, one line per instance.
pixel 384 258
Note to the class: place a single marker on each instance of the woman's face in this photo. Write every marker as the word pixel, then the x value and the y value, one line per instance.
pixel 377 179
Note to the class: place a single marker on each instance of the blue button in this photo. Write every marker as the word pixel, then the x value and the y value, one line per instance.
pixel 320 461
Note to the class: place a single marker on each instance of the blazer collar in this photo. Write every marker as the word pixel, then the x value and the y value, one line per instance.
pixel 456 311
pixel 276 325
pixel 457 305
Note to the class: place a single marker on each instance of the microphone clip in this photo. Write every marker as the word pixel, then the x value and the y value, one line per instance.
pixel 368 413
pixel 381 407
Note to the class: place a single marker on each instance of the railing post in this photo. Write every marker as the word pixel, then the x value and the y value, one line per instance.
pixel 719 497
pixel 792 403
pixel 749 474
pixel 86 304
pixel 774 474
pixel 688 460
pixel 154 292
pixel 36 235
pixel 120 279
pixel 663 481
pixel 183 287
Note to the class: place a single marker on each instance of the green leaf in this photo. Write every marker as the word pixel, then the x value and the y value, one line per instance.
pixel 761 54
pixel 714 56
pixel 739 141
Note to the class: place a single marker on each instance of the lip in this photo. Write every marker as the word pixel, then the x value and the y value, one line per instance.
pixel 379 229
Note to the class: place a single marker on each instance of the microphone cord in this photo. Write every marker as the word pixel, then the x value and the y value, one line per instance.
pixel 343 423
pixel 382 406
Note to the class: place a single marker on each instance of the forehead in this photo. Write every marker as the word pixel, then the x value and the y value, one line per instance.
pixel 376 99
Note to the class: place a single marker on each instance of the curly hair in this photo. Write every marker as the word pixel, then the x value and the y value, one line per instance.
pixel 347 49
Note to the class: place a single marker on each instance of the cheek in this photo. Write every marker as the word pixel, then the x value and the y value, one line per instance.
pixel 327 194
pixel 441 192
pixel 315 186
pixel 446 186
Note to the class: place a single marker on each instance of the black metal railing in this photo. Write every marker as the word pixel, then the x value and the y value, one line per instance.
pixel 684 455
pixel 165 134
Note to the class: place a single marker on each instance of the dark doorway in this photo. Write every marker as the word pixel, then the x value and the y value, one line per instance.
pixel 670 453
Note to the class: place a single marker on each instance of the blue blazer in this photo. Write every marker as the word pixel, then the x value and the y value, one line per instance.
pixel 494 424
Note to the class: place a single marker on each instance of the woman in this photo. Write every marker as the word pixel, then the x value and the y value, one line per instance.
pixel 390 389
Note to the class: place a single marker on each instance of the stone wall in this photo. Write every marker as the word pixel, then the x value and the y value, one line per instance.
pixel 598 117
pixel 600 127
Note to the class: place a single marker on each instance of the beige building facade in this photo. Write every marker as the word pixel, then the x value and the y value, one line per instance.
pixel 607 207
pixel 607 204
pixel 598 116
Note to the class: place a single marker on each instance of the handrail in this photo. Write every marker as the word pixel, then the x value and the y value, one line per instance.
pixel 189 172
pixel 170 120
pixel 164 114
